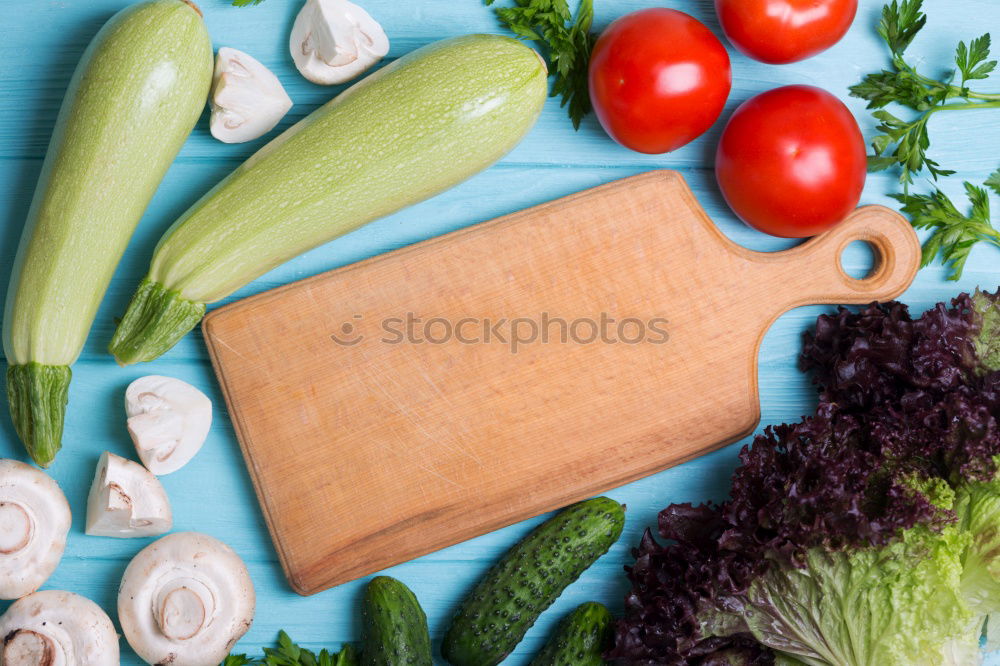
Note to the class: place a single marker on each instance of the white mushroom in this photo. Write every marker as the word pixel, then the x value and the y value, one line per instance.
pixel 54 628
pixel 334 41
pixel 185 600
pixel 126 500
pixel 168 420
pixel 34 522
pixel 247 98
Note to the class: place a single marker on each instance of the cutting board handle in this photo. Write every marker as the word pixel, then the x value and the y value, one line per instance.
pixel 812 273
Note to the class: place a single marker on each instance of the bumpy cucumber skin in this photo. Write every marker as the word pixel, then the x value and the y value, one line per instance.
pixel 580 639
pixel 137 93
pixel 395 626
pixel 495 615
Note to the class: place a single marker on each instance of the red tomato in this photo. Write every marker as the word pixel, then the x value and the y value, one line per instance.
pixel 783 31
pixel 791 161
pixel 658 79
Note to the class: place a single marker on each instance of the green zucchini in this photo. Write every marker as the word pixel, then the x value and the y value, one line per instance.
pixel 411 130
pixel 495 615
pixel 134 98
pixel 394 626
pixel 580 639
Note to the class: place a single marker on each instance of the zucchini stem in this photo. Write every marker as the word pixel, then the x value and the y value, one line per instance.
pixel 38 395
pixel 156 319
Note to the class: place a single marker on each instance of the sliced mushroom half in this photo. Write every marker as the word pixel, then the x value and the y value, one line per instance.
pixel 126 500
pixel 333 41
pixel 168 420
pixel 34 521
pixel 247 98
pixel 55 628
pixel 185 600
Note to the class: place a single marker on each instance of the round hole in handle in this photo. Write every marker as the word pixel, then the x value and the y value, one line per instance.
pixel 859 260
pixel 893 243
pixel 893 251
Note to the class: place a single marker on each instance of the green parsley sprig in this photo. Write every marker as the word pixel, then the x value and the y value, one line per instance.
pixel 237 660
pixel 567 42
pixel 954 234
pixel 244 3
pixel 904 143
pixel 287 653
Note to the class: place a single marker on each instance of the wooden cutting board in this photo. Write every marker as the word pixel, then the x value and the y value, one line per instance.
pixel 371 441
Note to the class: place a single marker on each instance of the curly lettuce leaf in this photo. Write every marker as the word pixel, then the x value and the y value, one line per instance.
pixel 866 534
pixel 986 313
pixel 978 509
pixel 897 605
pixel 926 389
pixel 991 632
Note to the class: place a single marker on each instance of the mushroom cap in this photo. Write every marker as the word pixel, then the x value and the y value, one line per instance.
pixel 333 41
pixel 247 99
pixel 56 628
pixel 185 600
pixel 34 521
pixel 168 420
pixel 126 500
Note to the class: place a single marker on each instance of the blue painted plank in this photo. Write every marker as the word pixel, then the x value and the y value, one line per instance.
pixel 42 42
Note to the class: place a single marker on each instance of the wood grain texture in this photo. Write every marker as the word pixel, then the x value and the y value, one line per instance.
pixel 43 40
pixel 448 430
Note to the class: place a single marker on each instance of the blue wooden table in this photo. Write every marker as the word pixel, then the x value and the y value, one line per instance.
pixel 42 41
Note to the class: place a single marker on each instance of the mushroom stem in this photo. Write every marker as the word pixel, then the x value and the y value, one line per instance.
pixel 247 98
pixel 16 528
pixel 55 628
pixel 185 600
pixel 34 523
pixel 126 500
pixel 168 420
pixel 24 646
pixel 333 41
pixel 181 608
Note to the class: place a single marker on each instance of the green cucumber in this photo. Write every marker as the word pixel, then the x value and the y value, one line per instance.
pixel 580 639
pixel 495 615
pixel 413 129
pixel 134 98
pixel 394 626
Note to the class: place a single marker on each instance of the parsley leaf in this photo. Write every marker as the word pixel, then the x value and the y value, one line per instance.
pixel 237 660
pixel 901 23
pixel 954 234
pixel 904 143
pixel 972 60
pixel 287 653
pixel 993 182
pixel 246 3
pixel 567 42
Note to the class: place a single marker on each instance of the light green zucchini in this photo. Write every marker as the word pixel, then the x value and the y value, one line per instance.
pixel 411 130
pixel 134 98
